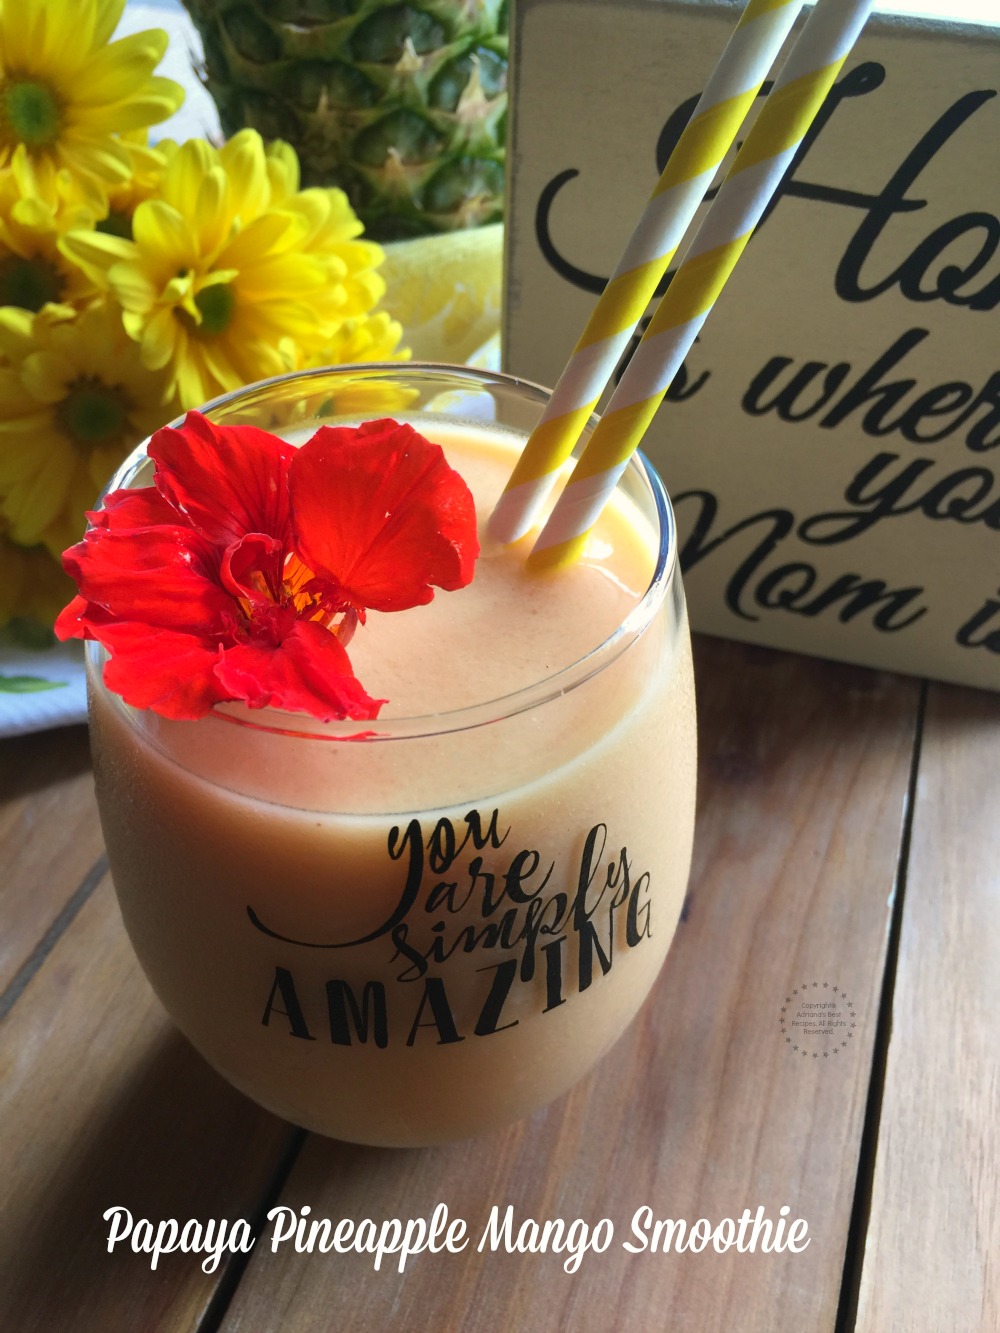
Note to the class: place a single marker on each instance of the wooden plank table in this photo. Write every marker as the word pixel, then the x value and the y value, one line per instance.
pixel 848 853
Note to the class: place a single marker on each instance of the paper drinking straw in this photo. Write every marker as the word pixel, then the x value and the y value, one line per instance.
pixel 799 90
pixel 720 111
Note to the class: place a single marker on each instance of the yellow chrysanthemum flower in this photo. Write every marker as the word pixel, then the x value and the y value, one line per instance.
pixel 75 398
pixel 67 91
pixel 233 274
pixel 123 198
pixel 33 271
pixel 282 164
pixel 373 339
pixel 32 583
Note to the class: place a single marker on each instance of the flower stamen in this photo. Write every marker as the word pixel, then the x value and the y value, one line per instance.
pixel 93 413
pixel 215 305
pixel 30 113
pixel 263 559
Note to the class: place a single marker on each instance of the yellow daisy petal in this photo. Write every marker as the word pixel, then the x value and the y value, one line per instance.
pixel 45 375
pixel 92 399
pixel 33 504
pixel 282 170
pixel 132 287
pixel 195 384
pixel 105 16
pixel 233 273
pixel 212 212
pixel 134 322
pixel 182 180
pixel 23 32
pixel 115 70
pixel 98 155
pixel 159 338
pixel 268 233
pixel 69 92
pixel 244 161
pixel 218 364
pixel 160 228
pixel 296 319
pixel 23 448
pixel 287 275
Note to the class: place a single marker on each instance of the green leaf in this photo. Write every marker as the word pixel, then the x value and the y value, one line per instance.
pixel 28 684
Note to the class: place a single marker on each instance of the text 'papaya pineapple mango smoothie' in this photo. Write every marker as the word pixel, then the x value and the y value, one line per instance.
pixel 425 925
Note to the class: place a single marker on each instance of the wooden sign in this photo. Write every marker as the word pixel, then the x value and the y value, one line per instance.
pixel 832 443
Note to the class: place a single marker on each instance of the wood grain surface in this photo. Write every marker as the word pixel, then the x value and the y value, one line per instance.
pixel 932 1260
pixel 49 833
pixel 102 1104
pixel 703 1109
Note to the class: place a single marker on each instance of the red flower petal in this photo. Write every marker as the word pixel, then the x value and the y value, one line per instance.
pixel 379 509
pixel 143 507
pixel 161 576
pixel 227 480
pixel 252 568
pixel 169 672
pixel 199 594
pixel 309 672
pixel 72 620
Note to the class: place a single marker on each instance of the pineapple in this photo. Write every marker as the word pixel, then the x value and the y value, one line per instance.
pixel 401 105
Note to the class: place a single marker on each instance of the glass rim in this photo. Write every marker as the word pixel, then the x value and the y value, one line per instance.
pixel 487 711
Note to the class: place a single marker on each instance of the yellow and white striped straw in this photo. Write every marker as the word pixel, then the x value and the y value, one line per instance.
pixel 804 81
pixel 720 111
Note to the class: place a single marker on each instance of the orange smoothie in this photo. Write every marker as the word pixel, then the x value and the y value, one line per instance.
pixel 429 931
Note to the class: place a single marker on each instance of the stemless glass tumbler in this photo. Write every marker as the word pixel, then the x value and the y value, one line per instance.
pixel 418 928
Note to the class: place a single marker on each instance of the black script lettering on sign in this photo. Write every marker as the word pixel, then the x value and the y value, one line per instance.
pixel 859 82
pixel 792 587
pixel 982 630
pixel 881 490
pixel 969 241
pixel 890 405
pixel 913 276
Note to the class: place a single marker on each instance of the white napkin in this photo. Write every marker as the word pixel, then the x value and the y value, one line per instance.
pixel 41 688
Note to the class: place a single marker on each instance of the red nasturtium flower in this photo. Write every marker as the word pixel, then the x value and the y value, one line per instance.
pixel 243 571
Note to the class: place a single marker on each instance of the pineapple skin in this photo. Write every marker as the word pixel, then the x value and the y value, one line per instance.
pixel 403 106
